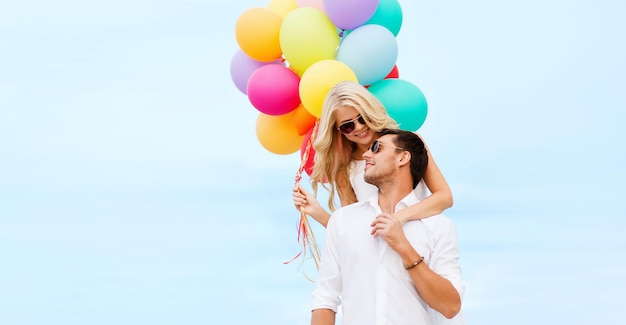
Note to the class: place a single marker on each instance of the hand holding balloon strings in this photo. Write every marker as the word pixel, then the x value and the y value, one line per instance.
pixel 306 237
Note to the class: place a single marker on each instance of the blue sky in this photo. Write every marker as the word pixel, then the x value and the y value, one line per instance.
pixel 133 189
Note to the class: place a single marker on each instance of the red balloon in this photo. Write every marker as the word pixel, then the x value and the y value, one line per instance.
pixel 394 73
pixel 307 144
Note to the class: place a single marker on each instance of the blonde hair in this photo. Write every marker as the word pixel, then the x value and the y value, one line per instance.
pixel 333 151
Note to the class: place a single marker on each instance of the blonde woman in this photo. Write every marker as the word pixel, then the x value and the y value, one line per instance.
pixel 350 122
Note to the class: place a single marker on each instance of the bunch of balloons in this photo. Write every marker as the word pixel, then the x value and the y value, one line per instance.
pixel 292 52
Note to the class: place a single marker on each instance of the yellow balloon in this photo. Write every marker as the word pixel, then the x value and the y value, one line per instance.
pixel 317 81
pixel 282 7
pixel 307 36
pixel 278 134
pixel 257 32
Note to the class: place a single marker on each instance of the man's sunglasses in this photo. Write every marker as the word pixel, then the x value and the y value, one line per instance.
pixel 348 126
pixel 376 146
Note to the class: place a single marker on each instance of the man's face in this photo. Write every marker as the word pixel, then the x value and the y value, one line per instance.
pixel 381 160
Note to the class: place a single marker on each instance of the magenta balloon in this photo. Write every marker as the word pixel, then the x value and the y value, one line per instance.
pixel 242 66
pixel 350 14
pixel 274 89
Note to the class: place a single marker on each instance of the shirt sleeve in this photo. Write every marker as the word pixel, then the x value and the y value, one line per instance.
pixel 328 290
pixel 445 258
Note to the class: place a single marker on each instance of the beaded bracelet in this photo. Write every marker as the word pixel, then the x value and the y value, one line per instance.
pixel 408 267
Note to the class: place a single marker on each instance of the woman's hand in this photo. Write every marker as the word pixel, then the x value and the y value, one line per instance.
pixel 307 202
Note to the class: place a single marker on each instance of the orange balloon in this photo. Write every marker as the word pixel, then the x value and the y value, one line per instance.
pixel 303 120
pixel 257 32
pixel 277 133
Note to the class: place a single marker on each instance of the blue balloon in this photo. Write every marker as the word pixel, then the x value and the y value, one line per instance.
pixel 370 51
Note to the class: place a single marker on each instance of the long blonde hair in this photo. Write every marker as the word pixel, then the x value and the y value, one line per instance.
pixel 333 151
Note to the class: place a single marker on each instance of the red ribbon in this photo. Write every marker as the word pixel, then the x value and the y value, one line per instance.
pixel 306 238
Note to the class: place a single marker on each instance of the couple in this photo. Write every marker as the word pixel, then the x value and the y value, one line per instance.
pixel 390 258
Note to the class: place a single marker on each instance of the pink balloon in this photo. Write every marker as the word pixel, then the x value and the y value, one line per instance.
pixel 273 89
pixel 242 66
pixel 317 4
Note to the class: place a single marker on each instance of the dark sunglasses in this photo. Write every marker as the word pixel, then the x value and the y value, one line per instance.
pixel 376 146
pixel 348 126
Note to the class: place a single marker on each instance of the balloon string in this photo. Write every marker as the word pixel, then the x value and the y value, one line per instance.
pixel 307 151
pixel 305 235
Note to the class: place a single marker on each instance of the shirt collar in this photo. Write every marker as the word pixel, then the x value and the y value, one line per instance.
pixel 408 200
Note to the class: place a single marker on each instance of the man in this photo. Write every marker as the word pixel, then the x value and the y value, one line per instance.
pixel 379 271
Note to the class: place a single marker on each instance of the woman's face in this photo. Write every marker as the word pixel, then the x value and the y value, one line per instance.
pixel 360 133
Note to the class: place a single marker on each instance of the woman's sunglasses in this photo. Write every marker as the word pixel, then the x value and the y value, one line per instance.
pixel 348 126
pixel 376 146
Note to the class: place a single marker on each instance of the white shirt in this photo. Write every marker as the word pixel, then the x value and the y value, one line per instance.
pixel 365 190
pixel 367 277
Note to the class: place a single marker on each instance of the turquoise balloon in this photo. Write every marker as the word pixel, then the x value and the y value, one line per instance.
pixel 389 15
pixel 405 103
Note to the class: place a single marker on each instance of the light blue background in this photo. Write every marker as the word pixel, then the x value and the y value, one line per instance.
pixel 133 189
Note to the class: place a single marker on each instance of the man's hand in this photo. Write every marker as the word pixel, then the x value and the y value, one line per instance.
pixel 390 229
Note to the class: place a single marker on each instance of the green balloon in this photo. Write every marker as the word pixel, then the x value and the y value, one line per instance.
pixel 389 15
pixel 405 103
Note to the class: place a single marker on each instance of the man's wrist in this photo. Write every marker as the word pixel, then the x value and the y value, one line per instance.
pixel 414 264
pixel 408 253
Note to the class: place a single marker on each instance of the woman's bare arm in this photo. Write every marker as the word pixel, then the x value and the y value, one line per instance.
pixel 439 200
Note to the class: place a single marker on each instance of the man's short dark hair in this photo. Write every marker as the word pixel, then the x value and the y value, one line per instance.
pixel 412 143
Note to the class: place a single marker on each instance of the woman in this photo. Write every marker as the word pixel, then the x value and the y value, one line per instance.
pixel 350 121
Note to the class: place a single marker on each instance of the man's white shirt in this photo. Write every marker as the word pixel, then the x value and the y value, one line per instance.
pixel 367 277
